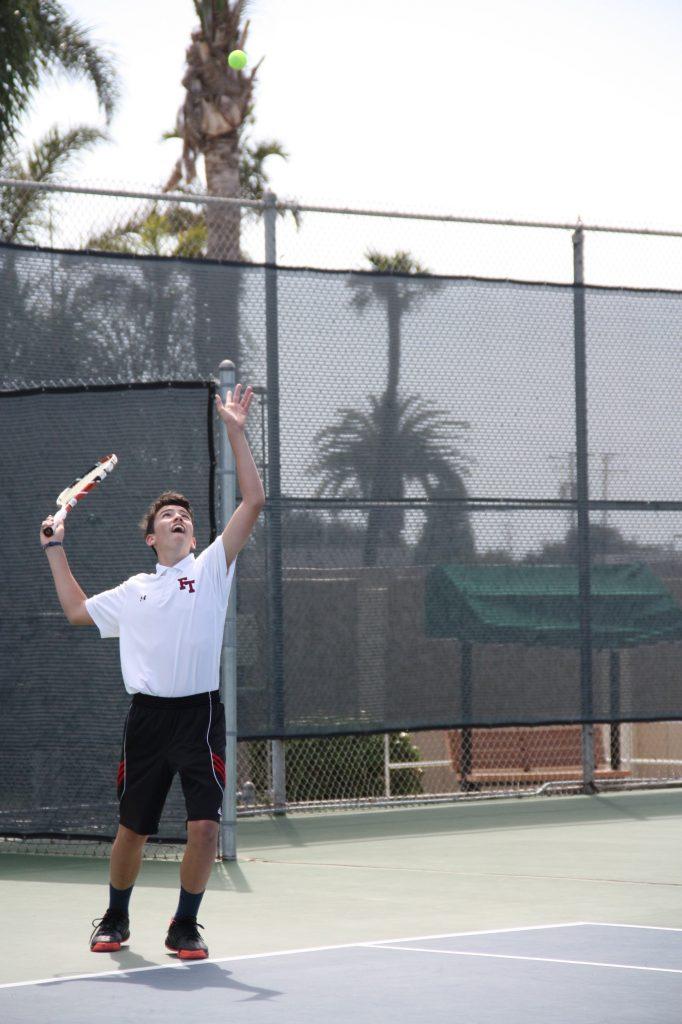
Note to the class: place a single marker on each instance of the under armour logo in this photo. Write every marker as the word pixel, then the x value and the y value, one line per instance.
pixel 143 597
pixel 184 582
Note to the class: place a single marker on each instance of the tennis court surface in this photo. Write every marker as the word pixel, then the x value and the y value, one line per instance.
pixel 548 974
pixel 312 922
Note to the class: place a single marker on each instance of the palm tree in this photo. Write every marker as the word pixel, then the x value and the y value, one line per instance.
pixel 447 535
pixel 170 229
pixel 155 230
pixel 391 286
pixel 176 230
pixel 23 212
pixel 38 36
pixel 425 454
pixel 217 106
pixel 212 122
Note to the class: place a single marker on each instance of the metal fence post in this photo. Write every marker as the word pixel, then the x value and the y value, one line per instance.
pixel 466 754
pixel 228 661
pixel 274 508
pixel 583 514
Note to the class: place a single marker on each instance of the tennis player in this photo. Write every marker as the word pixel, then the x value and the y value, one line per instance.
pixel 170 628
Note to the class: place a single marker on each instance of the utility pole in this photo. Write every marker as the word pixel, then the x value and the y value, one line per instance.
pixel 606 459
pixel 567 487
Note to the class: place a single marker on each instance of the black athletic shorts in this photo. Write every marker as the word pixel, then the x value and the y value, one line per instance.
pixel 165 735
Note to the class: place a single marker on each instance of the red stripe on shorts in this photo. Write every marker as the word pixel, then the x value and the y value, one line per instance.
pixel 219 766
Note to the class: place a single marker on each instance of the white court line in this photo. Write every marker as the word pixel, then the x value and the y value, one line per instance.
pixel 535 959
pixel 285 952
pixel 489 931
pixel 649 927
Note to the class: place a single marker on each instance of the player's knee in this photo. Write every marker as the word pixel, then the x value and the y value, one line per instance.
pixel 204 832
pixel 126 835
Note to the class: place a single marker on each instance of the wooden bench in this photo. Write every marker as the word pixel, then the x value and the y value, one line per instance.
pixel 524 754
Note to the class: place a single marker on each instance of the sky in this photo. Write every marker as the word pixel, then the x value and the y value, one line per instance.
pixel 539 109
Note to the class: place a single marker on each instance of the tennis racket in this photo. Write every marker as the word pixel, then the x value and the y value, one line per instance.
pixel 79 488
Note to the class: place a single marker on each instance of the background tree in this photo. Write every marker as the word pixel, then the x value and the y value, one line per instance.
pixel 425 455
pixel 216 108
pixel 25 213
pixel 606 542
pixel 38 36
pixel 212 123
pixel 447 535
pixel 171 229
pixel 391 287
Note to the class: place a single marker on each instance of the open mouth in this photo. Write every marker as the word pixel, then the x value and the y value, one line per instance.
pixel 178 529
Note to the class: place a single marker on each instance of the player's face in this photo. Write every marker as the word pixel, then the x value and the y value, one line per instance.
pixel 173 531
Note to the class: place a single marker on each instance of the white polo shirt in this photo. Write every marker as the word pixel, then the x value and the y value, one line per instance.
pixel 170 624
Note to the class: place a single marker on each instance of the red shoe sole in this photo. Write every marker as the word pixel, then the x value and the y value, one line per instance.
pixel 105 947
pixel 189 954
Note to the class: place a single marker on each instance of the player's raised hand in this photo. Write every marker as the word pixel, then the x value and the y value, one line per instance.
pixel 235 409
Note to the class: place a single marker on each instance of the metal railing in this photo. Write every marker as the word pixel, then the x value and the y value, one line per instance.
pixel 335 237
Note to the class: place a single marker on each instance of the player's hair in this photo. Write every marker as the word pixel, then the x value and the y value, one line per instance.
pixel 167 498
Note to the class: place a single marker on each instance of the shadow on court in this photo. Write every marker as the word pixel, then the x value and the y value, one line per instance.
pixel 457 819
pixel 197 977
pixel 227 877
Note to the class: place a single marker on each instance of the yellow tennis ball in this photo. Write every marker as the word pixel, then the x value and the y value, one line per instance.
pixel 237 60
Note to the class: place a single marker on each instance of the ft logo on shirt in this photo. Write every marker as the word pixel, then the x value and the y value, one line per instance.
pixel 184 582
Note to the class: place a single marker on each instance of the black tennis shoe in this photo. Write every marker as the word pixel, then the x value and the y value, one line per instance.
pixel 110 931
pixel 183 938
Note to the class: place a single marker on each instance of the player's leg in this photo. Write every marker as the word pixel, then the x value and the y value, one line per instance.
pixel 202 774
pixel 126 858
pixel 200 855
pixel 144 778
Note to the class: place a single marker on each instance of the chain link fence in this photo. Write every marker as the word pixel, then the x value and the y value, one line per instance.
pixel 430 765
pixel 192 225
pixel 442 765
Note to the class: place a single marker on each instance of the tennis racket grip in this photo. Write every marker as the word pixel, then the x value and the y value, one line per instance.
pixel 49 530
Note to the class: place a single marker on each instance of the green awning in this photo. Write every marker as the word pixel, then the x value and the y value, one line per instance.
pixel 538 604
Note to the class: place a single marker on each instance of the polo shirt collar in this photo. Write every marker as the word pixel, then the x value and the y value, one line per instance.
pixel 182 566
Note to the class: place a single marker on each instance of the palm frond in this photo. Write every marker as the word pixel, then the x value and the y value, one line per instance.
pixel 153 231
pixel 401 262
pixel 21 209
pixel 347 449
pixel 19 68
pixel 389 281
pixel 37 36
pixel 64 45
pixel 252 174
pixel 253 178
pixel 48 155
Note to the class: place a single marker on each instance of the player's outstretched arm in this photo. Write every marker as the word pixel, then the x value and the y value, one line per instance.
pixel 234 413
pixel 71 597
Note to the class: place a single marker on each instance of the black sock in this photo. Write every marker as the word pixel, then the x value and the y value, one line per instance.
pixel 189 904
pixel 119 898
